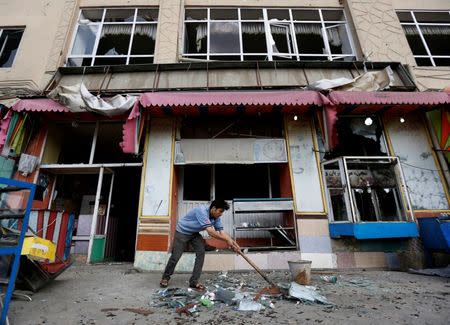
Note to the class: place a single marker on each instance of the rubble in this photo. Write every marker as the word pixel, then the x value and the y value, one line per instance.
pixel 235 292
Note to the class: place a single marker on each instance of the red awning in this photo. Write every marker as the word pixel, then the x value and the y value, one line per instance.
pixel 39 105
pixel 388 98
pixel 220 98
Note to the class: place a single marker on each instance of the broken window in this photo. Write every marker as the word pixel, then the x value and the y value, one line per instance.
pixel 267 34
pixel 428 35
pixel 281 40
pixel 363 184
pixel 114 37
pixel 204 182
pixel 364 189
pixel 254 38
pixel 359 136
pixel 9 43
pixel 94 143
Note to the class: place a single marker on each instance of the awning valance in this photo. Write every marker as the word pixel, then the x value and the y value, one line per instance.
pixel 224 98
pixel 39 105
pixel 388 98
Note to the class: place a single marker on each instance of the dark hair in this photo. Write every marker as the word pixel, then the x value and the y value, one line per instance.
pixel 219 204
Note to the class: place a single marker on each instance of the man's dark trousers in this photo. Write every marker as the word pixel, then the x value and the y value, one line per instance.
pixel 180 243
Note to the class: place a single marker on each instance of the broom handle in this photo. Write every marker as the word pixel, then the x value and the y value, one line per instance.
pixel 257 269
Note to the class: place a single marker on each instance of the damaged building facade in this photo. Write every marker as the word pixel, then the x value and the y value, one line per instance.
pixel 324 123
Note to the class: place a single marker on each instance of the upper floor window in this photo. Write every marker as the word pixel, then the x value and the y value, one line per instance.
pixel 9 43
pixel 428 35
pixel 114 37
pixel 267 34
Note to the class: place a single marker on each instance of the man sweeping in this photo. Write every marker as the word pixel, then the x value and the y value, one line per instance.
pixel 206 217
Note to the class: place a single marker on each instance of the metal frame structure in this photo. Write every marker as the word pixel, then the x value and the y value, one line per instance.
pixel 16 250
pixel 98 32
pixel 349 200
pixel 289 24
pixel 263 206
pixel 417 24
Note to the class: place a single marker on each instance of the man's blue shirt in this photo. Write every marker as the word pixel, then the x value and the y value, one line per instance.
pixel 196 220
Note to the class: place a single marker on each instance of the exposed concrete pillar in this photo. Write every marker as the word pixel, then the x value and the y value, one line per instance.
pixel 170 12
pixel 379 32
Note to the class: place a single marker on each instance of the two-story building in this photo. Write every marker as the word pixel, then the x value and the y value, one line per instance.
pixel 323 122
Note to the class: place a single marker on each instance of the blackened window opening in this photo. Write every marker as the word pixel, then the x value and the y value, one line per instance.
pixel 355 138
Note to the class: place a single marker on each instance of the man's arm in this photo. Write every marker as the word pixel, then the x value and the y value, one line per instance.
pixel 222 235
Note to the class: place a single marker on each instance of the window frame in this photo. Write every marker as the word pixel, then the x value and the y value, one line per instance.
pixel 267 24
pixel 417 24
pixel 93 56
pixel 402 199
pixel 18 47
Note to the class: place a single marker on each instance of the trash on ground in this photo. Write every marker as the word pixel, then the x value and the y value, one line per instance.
pixel 206 302
pixel 306 293
pixel 189 310
pixel 105 310
pixel 140 311
pixel 225 296
pixel 329 278
pixel 240 291
pixel 249 305
pixel 442 272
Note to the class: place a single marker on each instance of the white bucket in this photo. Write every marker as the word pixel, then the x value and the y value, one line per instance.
pixel 300 271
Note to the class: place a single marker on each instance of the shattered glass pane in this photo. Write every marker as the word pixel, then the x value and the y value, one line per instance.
pixel 114 40
pixel 147 15
pixel 85 39
pixel 253 38
pixel 144 39
pixel 375 190
pixel 119 15
pixel 281 39
pixel 355 138
pixel 338 39
pixel 224 37
pixel 309 38
pixel 90 16
pixel 196 38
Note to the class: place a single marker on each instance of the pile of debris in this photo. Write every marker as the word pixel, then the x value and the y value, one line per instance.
pixel 238 295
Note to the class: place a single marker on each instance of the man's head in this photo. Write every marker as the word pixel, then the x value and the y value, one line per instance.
pixel 217 208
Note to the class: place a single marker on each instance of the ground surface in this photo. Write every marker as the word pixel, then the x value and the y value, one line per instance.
pixel 80 294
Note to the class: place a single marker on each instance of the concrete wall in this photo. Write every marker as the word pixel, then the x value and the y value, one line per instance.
pixel 50 26
pixel 42 22
pixel 379 32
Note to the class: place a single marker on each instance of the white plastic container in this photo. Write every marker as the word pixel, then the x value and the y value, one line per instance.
pixel 300 271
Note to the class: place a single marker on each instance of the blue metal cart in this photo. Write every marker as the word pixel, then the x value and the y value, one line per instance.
pixel 16 198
